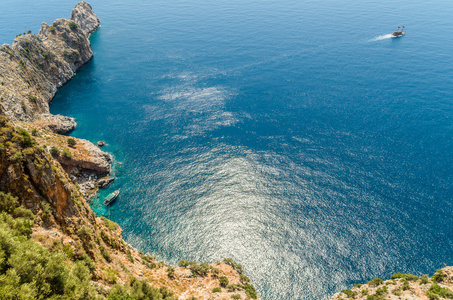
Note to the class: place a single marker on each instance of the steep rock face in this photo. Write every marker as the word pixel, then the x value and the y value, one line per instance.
pixel 84 16
pixel 35 66
pixel 29 173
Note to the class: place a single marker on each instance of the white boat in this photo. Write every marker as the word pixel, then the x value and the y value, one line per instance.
pixel 111 197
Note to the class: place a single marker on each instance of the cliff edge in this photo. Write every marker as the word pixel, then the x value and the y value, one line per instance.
pixel 403 286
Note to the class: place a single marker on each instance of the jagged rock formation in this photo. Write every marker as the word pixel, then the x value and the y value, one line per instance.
pixel 83 15
pixel 35 66
pixel 404 286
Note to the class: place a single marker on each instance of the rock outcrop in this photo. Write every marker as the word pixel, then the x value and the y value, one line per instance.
pixel 35 66
pixel 83 15
pixel 403 286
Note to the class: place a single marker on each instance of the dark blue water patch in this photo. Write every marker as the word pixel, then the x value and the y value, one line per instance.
pixel 295 137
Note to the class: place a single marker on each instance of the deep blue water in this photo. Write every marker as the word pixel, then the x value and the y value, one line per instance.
pixel 292 136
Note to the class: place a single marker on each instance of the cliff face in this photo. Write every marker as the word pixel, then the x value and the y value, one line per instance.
pixel 35 66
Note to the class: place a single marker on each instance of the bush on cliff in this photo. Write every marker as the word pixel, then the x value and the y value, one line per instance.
pixel 138 290
pixel 375 282
pixel 54 151
pixel 8 203
pixel 223 280
pixel 73 25
pixel 235 265
pixel 184 263
pixel 436 289
pixel 250 291
pixel 67 154
pixel 439 276
pixel 71 142
pixel 29 271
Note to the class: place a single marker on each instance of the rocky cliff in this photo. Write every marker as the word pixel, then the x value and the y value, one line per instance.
pixel 35 66
pixel 404 286
pixel 52 175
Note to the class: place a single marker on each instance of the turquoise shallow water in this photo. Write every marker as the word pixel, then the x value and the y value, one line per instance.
pixel 293 136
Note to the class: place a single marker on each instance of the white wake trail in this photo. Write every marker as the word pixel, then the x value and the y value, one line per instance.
pixel 381 37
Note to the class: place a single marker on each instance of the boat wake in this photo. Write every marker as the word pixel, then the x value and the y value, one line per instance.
pixel 381 37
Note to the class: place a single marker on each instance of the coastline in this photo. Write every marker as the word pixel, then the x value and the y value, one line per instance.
pixel 39 65
pixel 53 175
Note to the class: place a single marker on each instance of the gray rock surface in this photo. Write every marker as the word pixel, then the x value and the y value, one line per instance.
pixel 35 66
pixel 84 16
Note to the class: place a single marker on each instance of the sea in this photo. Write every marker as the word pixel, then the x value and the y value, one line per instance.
pixel 294 136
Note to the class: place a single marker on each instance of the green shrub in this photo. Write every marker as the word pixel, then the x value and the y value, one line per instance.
pixel 235 296
pixel 183 263
pixel 375 282
pixel 73 25
pixel 119 292
pixel 18 157
pixel 71 142
pixel 142 290
pixel 54 151
pixel 46 210
pixel 67 154
pixel 22 212
pixel 244 279
pixel 129 255
pixel 109 224
pixel 364 292
pixel 171 272
pixel 440 291
pixel 424 279
pixel 250 291
pixel 105 253
pixel 405 285
pixel 215 272
pixel 30 271
pixel 52 29
pixel 84 232
pixel 432 296
pixel 217 289
pixel 223 281
pixel 236 266
pixel 397 292
pixel 357 285
pixel 407 276
pixel 110 275
pixel 232 287
pixel 439 276
pixel 67 249
pixel 8 203
pixel 34 131
pixel 349 293
pixel 199 269
pixel 165 292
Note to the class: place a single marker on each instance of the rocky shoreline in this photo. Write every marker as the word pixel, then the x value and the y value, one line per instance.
pixel 37 66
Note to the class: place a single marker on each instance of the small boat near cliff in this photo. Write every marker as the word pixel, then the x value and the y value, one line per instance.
pixel 399 32
pixel 111 197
